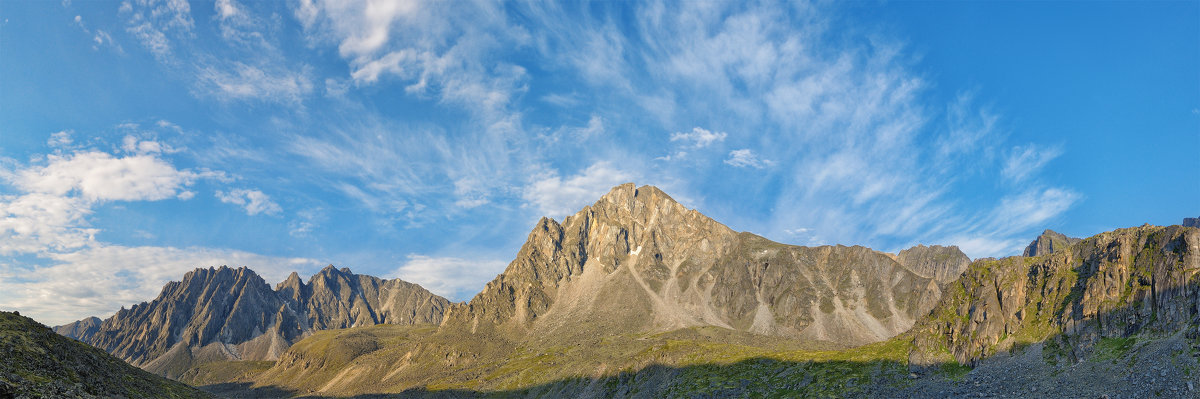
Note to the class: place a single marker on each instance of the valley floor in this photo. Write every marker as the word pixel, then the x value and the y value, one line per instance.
pixel 1140 367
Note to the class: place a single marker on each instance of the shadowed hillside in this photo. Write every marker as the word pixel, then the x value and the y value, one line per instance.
pixel 35 362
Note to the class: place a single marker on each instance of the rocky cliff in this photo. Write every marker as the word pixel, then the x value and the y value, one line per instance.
pixel 1113 285
pixel 232 314
pixel 942 264
pixel 638 261
pixel 1191 222
pixel 1049 242
pixel 81 330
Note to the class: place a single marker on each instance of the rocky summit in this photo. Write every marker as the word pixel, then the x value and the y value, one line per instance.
pixel 638 261
pixel 219 314
pixel 1049 242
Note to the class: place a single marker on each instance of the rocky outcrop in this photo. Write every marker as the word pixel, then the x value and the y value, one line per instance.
pixel 638 261
pixel 1191 222
pixel 338 298
pixel 1049 242
pixel 1111 285
pixel 81 330
pixel 35 362
pixel 942 264
pixel 232 314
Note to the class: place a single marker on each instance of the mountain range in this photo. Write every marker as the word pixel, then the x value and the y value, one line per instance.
pixel 218 314
pixel 637 295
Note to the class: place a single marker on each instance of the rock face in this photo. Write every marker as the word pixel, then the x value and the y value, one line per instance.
pixel 38 363
pixel 638 261
pixel 1112 285
pixel 1049 242
pixel 81 330
pixel 1191 222
pixel 942 264
pixel 232 314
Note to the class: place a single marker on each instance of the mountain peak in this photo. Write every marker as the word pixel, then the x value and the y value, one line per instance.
pixel 628 193
pixel 1049 242
pixel 941 263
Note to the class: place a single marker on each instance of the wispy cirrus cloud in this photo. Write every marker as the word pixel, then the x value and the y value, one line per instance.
pixel 1024 161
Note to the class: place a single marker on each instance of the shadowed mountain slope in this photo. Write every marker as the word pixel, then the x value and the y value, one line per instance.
pixel 218 314
pixel 35 362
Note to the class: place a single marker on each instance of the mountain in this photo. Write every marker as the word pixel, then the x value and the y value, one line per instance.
pixel 1191 222
pixel 632 280
pixel 1115 285
pixel 81 330
pixel 1113 316
pixel 1049 242
pixel 218 314
pixel 638 261
pixel 37 362
pixel 942 264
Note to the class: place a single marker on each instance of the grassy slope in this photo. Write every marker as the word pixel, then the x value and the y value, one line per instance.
pixel 40 363
pixel 680 363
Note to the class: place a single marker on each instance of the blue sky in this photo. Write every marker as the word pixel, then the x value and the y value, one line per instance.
pixel 422 140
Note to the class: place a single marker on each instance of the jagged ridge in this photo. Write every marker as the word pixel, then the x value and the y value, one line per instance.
pixel 223 313
pixel 1112 285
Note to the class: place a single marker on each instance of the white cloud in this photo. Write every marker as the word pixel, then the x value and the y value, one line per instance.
pixel 38 221
pixel 698 137
pixel 98 176
pixel 1022 162
pixel 306 220
pixel 454 278
pixel 61 139
pixel 241 81
pixel 150 21
pixel 226 9
pixel 254 201
pixel 557 197
pixel 447 50
pixel 746 158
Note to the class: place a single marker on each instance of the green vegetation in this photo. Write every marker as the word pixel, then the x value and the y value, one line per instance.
pixel 1111 349
pixel 224 372
pixel 37 362
pixel 954 370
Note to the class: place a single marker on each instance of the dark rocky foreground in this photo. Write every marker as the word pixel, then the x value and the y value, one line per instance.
pixel 35 362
